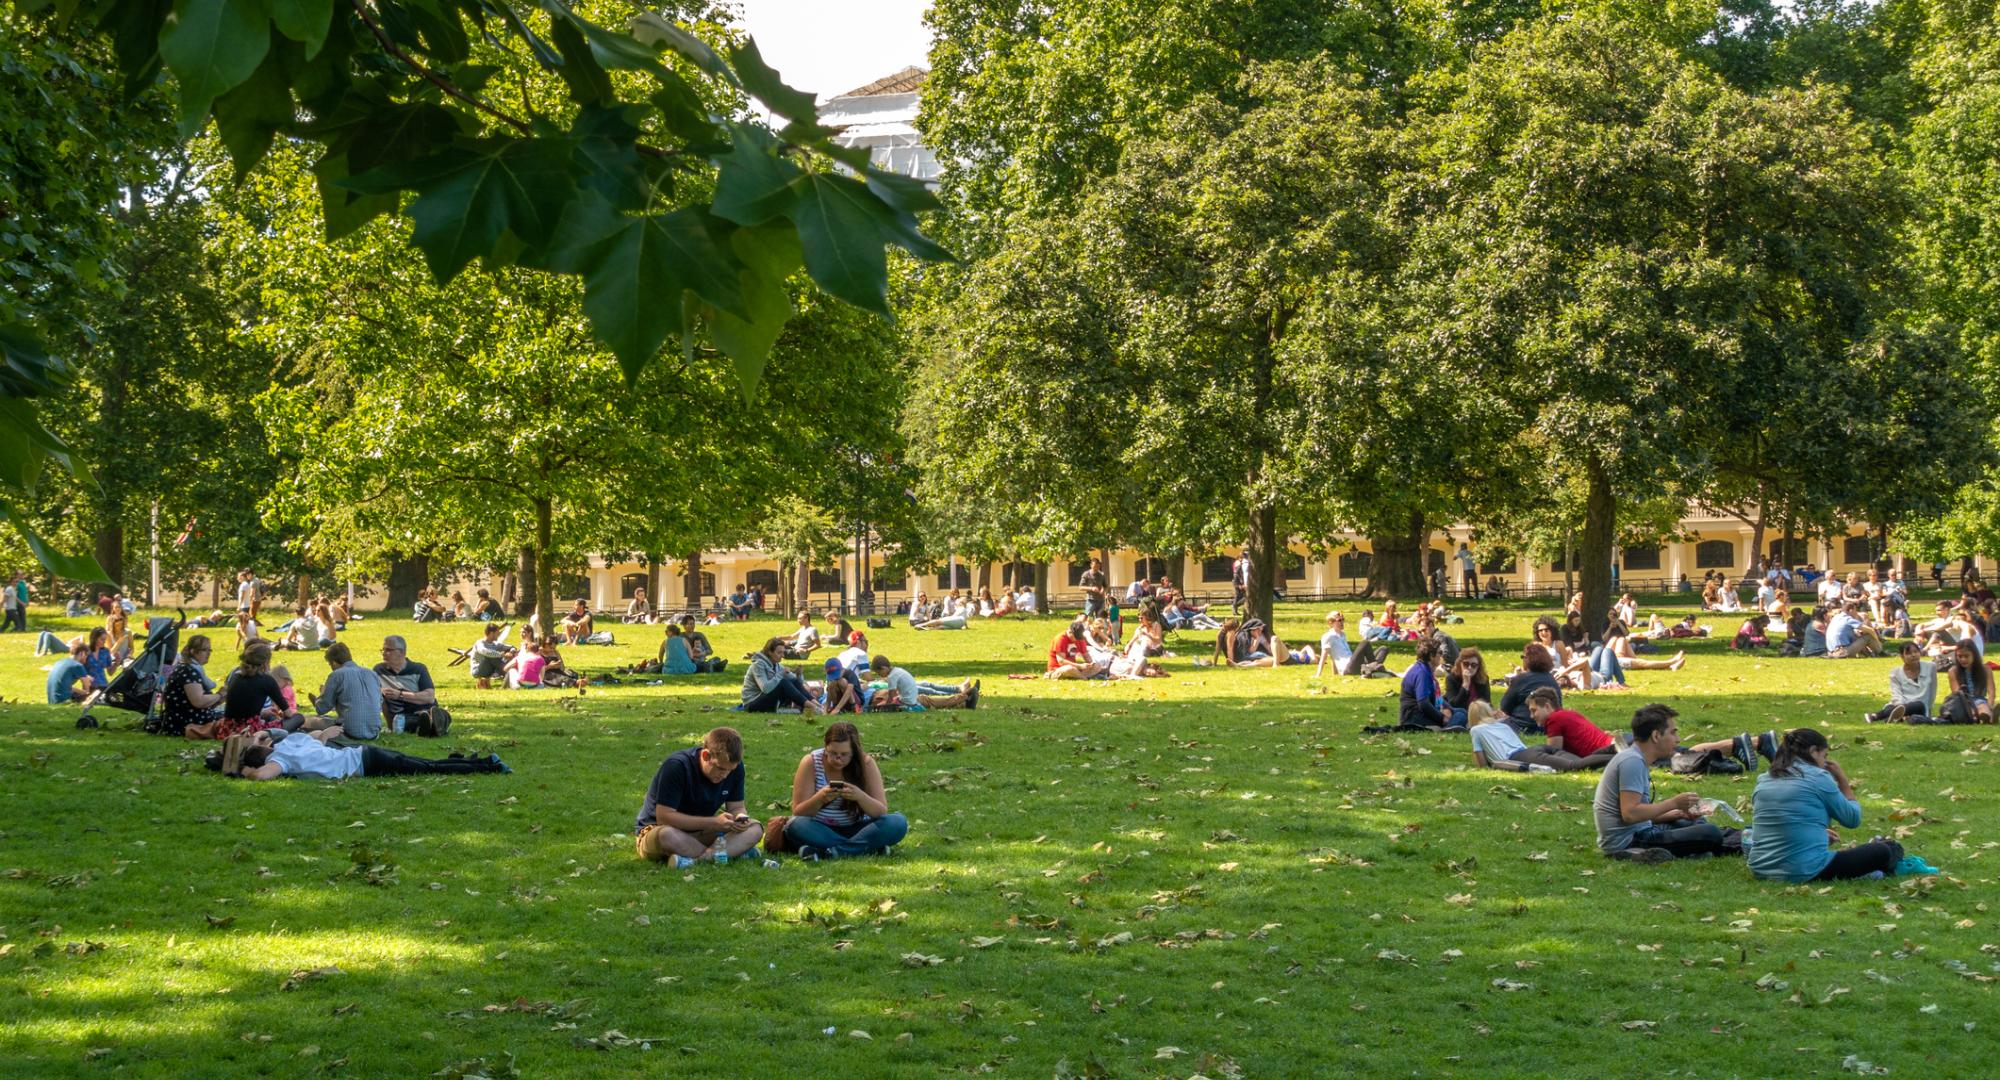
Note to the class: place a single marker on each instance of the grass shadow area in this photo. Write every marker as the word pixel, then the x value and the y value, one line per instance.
pixel 1207 873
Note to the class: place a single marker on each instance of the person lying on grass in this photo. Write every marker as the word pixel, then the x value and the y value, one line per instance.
pixel 1912 690
pixel 912 694
pixel 694 806
pixel 1135 661
pixel 839 807
pixel 306 756
pixel 769 686
pixel 1496 745
pixel 1250 644
pixel 1573 741
pixel 1794 808
pixel 1630 825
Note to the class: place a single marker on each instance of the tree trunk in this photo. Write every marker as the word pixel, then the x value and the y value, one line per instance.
pixel 1600 524
pixel 801 583
pixel 985 574
pixel 653 594
pixel 522 591
pixel 1041 572
pixel 1569 568
pixel 1757 533
pixel 406 576
pixel 305 588
pixel 1397 566
pixel 1177 570
pixel 545 578
pixel 1262 550
pixel 111 556
pixel 691 591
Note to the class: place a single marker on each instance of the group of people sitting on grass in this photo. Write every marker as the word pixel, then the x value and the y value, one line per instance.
pixel 957 608
pixel 1797 800
pixel 851 682
pixel 396 694
pixel 1913 686
pixel 1091 649
pixel 695 807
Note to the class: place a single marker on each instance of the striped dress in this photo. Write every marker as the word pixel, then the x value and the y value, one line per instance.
pixel 839 813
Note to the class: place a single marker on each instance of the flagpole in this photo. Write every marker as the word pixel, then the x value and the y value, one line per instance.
pixel 153 597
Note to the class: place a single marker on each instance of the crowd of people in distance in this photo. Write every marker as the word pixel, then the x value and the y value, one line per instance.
pixel 853 681
pixel 956 609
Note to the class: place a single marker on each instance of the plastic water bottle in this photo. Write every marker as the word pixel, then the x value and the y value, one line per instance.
pixel 722 850
pixel 1538 767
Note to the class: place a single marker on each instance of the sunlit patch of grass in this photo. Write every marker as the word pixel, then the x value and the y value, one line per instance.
pixel 1219 863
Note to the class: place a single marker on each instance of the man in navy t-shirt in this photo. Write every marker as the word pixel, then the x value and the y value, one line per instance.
pixel 679 822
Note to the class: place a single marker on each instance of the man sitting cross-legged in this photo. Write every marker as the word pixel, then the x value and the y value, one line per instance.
pixel 679 822
pixel 351 699
pixel 1630 825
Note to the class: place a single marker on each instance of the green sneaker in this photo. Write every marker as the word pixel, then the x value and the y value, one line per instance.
pixel 1914 865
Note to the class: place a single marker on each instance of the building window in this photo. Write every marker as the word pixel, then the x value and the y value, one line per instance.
pixel 1713 554
pixel 764 579
pixel 1076 569
pixel 1218 568
pixel 1500 561
pixel 1015 575
pixel 961 580
pixel 887 580
pixel 1435 561
pixel 629 585
pixel 826 581
pixel 1295 566
pixel 707 583
pixel 1642 558
pixel 1355 564
pixel 1149 569
pixel 1857 549
pixel 1561 563
pixel 1797 554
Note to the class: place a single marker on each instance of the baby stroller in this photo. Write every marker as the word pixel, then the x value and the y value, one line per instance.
pixel 136 686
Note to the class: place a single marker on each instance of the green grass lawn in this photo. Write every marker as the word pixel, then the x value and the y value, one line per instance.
pixel 1214 873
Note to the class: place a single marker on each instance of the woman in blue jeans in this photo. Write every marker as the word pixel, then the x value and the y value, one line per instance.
pixel 838 805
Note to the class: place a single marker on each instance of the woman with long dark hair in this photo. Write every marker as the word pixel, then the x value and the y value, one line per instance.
pixel 1971 687
pixel 1418 705
pixel 1464 684
pixel 1793 808
pixel 839 806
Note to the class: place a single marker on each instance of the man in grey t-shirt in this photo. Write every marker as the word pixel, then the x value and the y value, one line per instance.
pixel 351 698
pixel 1630 825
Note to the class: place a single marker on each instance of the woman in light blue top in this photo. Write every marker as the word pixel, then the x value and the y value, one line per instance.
pixel 1793 807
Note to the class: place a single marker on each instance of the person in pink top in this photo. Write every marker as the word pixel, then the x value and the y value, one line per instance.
pixel 524 672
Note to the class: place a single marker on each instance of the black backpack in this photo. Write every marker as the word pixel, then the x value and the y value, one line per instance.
pixel 1705 762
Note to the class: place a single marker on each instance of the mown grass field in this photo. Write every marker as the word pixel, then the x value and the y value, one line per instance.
pixel 1214 873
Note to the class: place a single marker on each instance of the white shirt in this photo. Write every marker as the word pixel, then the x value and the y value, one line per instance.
pixel 1024 600
pixel 807 635
pixel 302 755
pixel 854 658
pixel 1497 740
pixel 245 590
pixel 1334 644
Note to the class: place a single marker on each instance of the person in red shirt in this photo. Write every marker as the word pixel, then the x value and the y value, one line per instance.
pixel 1069 656
pixel 1569 731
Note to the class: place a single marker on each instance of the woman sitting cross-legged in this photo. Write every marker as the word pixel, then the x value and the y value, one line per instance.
pixel 768 685
pixel 1794 806
pixel 838 804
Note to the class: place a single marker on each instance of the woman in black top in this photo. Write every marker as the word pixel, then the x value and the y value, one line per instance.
pixel 1573 634
pixel 251 701
pixel 184 700
pixel 1464 684
pixel 1535 667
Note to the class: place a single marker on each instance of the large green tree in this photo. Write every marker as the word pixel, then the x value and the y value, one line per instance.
pixel 1633 245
